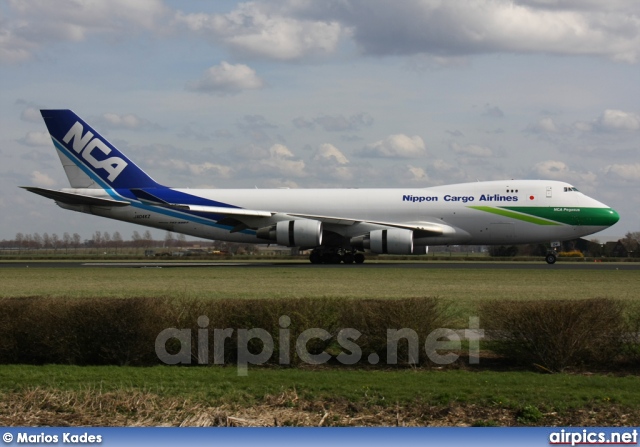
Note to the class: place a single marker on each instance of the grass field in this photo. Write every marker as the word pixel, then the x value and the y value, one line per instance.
pixel 464 287
pixel 217 385
pixel 62 395
pixel 290 282
pixel 58 394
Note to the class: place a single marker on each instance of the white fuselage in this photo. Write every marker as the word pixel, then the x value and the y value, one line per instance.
pixel 496 212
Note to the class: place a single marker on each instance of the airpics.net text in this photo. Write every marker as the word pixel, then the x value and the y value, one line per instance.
pixel 442 346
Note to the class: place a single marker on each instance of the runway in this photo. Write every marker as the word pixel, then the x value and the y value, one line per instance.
pixel 427 265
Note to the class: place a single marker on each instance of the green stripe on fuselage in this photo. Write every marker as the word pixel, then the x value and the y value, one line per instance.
pixel 525 216
pixel 549 215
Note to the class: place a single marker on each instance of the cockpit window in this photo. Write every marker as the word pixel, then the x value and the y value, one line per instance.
pixel 570 189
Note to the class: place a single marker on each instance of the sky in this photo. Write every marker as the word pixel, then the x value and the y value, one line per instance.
pixel 332 93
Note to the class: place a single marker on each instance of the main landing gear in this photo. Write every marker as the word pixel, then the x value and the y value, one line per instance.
pixel 335 256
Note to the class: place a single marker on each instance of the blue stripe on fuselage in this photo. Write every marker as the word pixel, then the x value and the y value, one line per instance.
pixel 191 216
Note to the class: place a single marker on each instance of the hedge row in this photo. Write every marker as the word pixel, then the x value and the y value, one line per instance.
pixel 101 331
pixel 554 334
pixel 561 334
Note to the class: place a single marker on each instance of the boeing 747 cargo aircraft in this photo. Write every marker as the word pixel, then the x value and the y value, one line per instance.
pixel 338 225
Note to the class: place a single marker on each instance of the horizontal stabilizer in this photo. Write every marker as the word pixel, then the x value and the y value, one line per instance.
pixel 72 198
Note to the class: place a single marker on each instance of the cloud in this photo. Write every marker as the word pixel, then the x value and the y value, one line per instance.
pixel 193 169
pixel 281 161
pixel 417 174
pixel 330 163
pixel 280 151
pixel 442 172
pixel 40 179
pixel 338 123
pixel 472 150
pixel 256 126
pixel 554 131
pixel 36 23
pixel 395 146
pixel 218 171
pixel 544 125
pixel 612 120
pixel 329 153
pixel 223 133
pixel 36 139
pixel 455 133
pixel 625 172
pixel 226 78
pixel 335 123
pixel 558 170
pixel 14 49
pixel 296 30
pixel 127 121
pixel 253 122
pixel 583 126
pixel 31 115
pixel 258 29
pixel 552 169
pixel 493 111
pixel 302 123
pixel 454 28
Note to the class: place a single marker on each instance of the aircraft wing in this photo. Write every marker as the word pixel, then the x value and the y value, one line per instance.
pixel 73 198
pixel 423 229
pixel 234 216
pixel 241 218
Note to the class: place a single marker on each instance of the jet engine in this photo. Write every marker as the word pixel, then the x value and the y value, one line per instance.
pixel 396 241
pixel 304 233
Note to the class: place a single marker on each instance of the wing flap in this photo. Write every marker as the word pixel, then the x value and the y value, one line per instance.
pixel 327 219
pixel 223 210
pixel 422 229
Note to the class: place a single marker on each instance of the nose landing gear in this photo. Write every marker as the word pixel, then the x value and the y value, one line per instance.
pixel 551 257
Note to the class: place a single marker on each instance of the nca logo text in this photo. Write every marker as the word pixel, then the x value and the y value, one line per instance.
pixel 86 144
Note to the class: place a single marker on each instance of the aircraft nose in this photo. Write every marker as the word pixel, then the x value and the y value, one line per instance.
pixel 612 217
pixel 606 217
pixel 595 213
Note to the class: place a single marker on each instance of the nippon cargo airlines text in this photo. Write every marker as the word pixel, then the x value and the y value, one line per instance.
pixel 463 199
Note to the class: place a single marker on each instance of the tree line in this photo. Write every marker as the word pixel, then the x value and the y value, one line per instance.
pixel 99 239
pixel 114 241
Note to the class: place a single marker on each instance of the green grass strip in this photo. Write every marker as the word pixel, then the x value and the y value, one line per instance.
pixel 214 385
